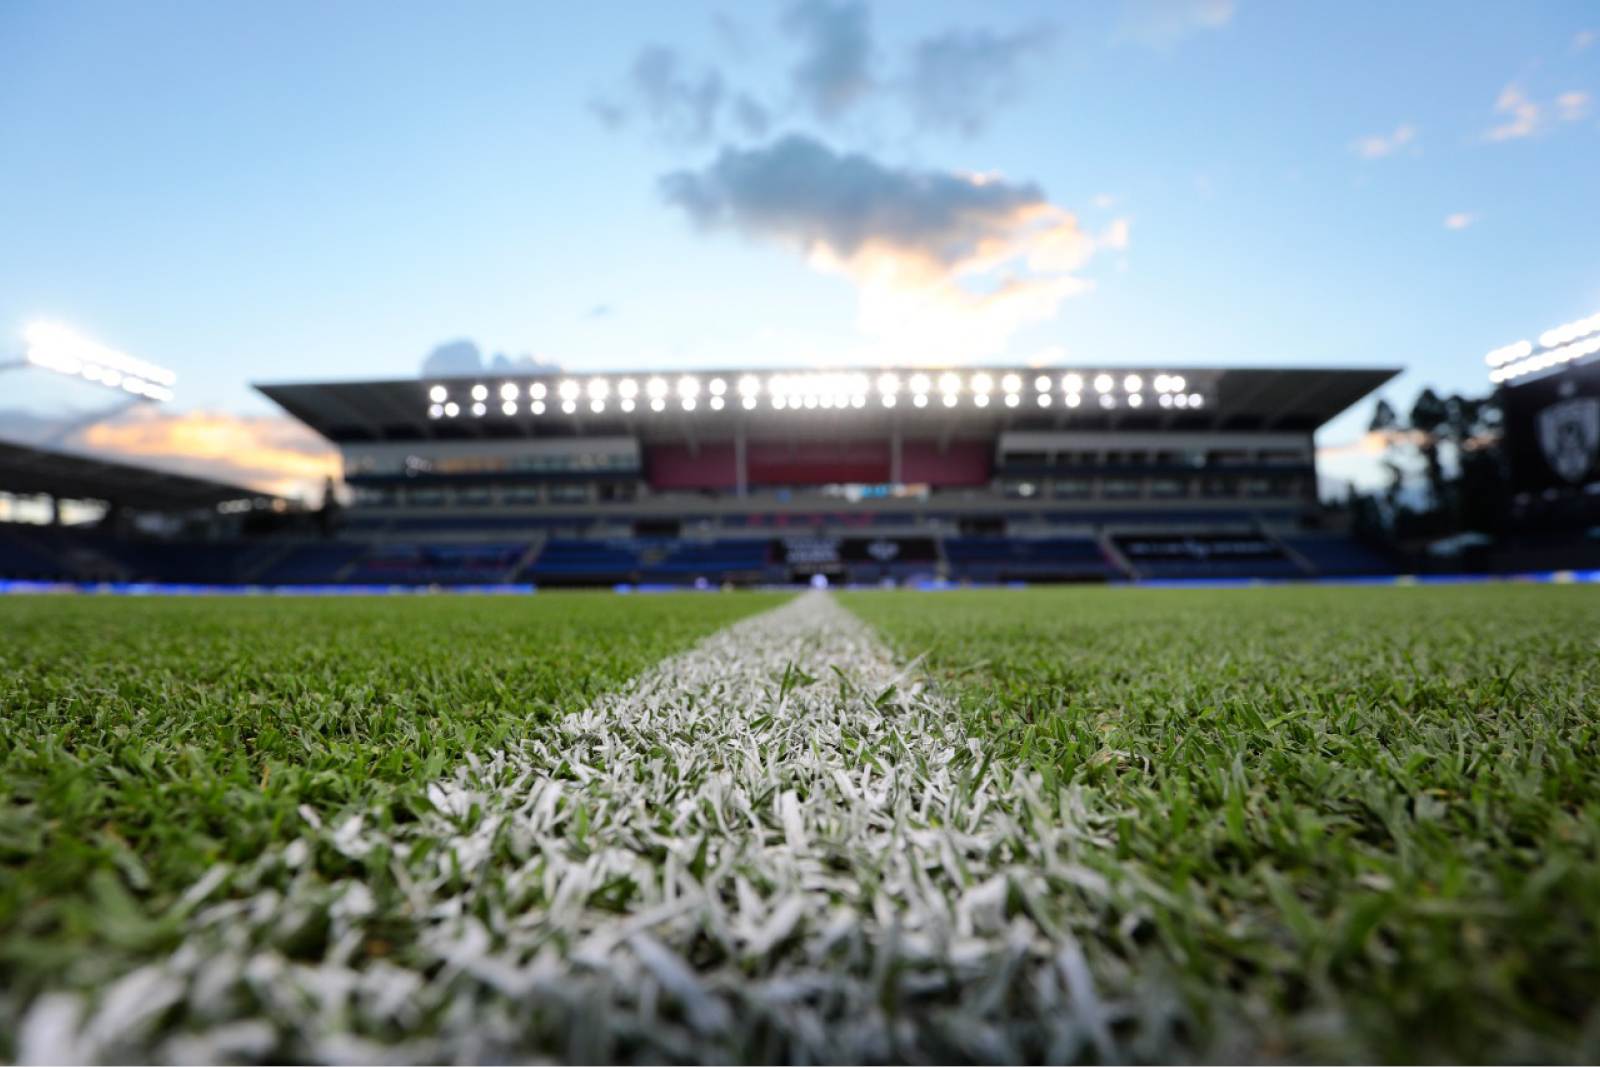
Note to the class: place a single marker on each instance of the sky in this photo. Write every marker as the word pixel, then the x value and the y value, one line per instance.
pixel 296 191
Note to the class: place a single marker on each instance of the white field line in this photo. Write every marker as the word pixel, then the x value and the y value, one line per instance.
pixel 776 846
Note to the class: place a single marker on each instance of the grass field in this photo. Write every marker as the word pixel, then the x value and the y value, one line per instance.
pixel 1277 823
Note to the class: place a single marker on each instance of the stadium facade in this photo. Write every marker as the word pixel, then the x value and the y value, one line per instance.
pixel 994 474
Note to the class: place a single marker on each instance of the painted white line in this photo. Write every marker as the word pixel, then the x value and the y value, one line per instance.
pixel 779 845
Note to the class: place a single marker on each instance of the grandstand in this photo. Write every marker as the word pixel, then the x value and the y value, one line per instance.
pixel 860 476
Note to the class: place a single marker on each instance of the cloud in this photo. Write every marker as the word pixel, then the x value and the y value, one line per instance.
pixel 1525 116
pixel 948 257
pixel 273 453
pixel 1162 23
pixel 1459 220
pixel 960 77
pixel 463 359
pixel 681 105
pixel 1572 106
pixel 752 116
pixel 1380 145
pixel 834 72
pixel 1583 39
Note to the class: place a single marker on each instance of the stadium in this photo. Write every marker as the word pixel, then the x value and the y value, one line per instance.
pixel 744 478
pixel 974 534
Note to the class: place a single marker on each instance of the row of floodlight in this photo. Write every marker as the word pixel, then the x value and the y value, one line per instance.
pixel 59 349
pixel 826 391
pixel 1562 344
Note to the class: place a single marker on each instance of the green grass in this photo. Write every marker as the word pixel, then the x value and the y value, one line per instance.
pixel 1342 823
pixel 142 741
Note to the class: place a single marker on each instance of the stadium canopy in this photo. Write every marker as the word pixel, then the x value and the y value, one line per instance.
pixel 27 470
pixel 662 403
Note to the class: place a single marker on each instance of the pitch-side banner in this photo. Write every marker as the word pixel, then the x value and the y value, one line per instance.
pixel 1553 430
pixel 823 555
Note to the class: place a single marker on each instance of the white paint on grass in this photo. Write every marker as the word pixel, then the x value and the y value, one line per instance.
pixel 779 845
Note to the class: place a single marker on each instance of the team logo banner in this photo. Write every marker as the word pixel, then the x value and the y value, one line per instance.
pixel 1569 434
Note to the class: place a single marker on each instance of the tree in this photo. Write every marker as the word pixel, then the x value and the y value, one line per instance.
pixel 1383 417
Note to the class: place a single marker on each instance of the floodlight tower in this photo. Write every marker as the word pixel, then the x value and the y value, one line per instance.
pixel 62 351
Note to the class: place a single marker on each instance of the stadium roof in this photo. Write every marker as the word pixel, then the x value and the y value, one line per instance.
pixel 26 469
pixel 662 404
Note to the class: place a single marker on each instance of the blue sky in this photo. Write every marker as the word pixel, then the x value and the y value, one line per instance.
pixel 295 191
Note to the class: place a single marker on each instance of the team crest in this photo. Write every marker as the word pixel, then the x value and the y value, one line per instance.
pixel 1569 433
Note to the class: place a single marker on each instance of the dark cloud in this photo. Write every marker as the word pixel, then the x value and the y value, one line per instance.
pixel 835 68
pixel 681 105
pixel 959 78
pixel 799 191
pixel 463 359
pixel 752 117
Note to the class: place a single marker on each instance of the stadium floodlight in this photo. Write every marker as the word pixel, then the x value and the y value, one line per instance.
pixel 599 388
pixel 1132 383
pixel 716 403
pixel 55 348
pixel 537 407
pixel 435 411
pixel 1196 400
pixel 1571 331
pixel 949 382
pixel 688 403
pixel 452 409
pixel 508 390
pixel 537 391
pixel 1107 401
pixel 981 400
pixel 438 394
pixel 1044 400
pixel 1181 400
pixel 1103 383
pixel 480 392
pixel 569 407
pixel 688 387
pixel 626 405
pixel 1041 384
pixel 1072 383
pixel 825 401
pixel 981 383
pixel 1177 383
pixel 888 400
pixel 479 409
pixel 509 408
pixel 718 387
pixel 779 403
pixel 749 385
pixel 859 400
pixel 949 400
pixel 1165 400
pixel 657 404
pixel 628 389
pixel 1011 383
pixel 888 383
pixel 920 400
pixel 749 402
pixel 1012 400
pixel 657 388
pixel 569 390
pixel 1136 400
pixel 809 401
pixel 597 406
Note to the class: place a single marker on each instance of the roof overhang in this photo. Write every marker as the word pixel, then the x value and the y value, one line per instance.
pixel 25 469
pixel 1240 398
